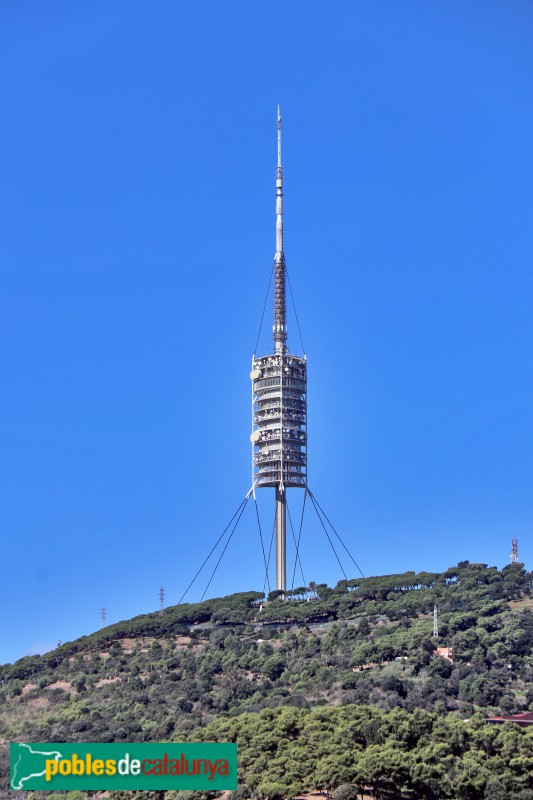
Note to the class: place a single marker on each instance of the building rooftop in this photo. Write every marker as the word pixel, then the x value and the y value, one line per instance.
pixel 520 719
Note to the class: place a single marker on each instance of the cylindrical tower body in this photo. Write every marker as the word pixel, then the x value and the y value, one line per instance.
pixel 279 432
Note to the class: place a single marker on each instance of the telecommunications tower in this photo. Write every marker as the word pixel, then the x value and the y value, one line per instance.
pixel 279 431
pixel 279 400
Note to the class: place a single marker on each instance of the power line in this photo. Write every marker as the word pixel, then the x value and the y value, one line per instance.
pixel 297 557
pixel 225 546
pixel 299 539
pixel 294 309
pixel 241 504
pixel 270 552
pixel 262 545
pixel 264 309
pixel 335 532
pixel 327 534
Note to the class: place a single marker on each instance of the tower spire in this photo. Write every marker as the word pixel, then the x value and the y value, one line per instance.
pixel 280 314
pixel 279 194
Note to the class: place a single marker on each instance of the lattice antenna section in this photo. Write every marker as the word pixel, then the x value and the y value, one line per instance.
pixel 161 599
pixel 514 551
pixel 103 614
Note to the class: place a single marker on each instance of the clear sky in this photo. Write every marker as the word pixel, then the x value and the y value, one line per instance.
pixel 137 163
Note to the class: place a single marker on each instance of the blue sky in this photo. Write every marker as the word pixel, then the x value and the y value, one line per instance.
pixel 137 215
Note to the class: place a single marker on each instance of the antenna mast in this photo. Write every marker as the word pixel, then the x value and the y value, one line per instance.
pixel 280 313
pixel 514 551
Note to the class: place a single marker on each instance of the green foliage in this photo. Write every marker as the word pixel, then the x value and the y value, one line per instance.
pixel 346 791
pixel 340 687
pixel 343 747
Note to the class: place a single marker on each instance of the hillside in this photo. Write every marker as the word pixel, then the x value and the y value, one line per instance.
pixel 334 686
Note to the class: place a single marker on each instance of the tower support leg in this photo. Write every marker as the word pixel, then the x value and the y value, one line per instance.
pixel 281 543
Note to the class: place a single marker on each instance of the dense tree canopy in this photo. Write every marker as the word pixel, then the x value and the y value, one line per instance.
pixel 332 688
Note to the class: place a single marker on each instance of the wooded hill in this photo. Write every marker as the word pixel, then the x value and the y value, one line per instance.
pixel 332 689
